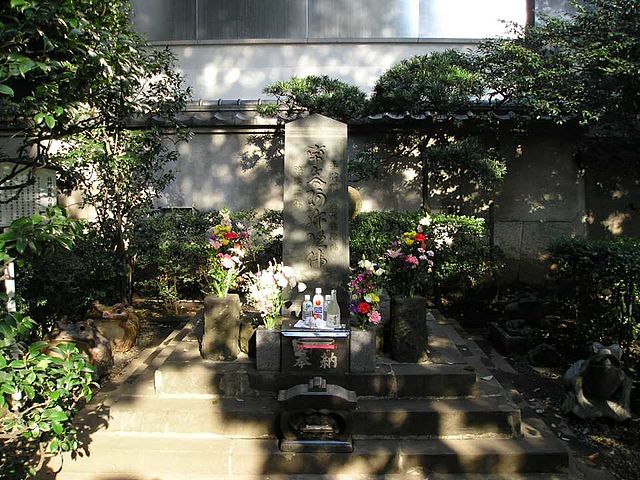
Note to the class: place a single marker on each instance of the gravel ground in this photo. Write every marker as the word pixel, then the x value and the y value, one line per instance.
pixel 155 325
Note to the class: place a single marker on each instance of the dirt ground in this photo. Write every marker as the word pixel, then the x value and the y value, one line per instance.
pixel 603 449
pixel 155 325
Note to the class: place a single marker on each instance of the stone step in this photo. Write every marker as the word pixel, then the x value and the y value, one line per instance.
pixel 404 476
pixel 142 455
pixel 393 380
pixel 257 417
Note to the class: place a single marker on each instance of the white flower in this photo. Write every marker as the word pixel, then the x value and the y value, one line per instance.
pixel 366 264
pixel 302 287
pixel 379 272
pixel 281 280
pixel 426 220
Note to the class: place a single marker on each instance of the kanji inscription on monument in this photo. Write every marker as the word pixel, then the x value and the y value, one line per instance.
pixel 33 198
pixel 316 205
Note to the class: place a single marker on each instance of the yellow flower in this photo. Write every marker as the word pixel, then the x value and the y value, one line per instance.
pixel 375 298
pixel 409 241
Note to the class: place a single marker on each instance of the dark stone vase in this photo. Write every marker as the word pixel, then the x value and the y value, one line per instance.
pixel 409 339
pixel 221 327
pixel 267 349
pixel 362 350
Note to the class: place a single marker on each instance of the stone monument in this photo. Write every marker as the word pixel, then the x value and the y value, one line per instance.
pixel 316 206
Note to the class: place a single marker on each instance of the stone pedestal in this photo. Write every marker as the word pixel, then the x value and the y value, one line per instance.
pixel 363 351
pixel 409 341
pixel 267 350
pixel 221 327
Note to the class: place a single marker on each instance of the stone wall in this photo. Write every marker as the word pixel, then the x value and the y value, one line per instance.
pixel 542 199
pixel 544 196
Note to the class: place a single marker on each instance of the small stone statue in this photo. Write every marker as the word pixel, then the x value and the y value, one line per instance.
pixel 597 386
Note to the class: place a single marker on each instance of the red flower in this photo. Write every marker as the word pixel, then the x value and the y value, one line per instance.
pixel 364 308
pixel 231 235
pixel 420 237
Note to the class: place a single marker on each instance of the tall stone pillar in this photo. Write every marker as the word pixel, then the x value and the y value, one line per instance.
pixel 316 206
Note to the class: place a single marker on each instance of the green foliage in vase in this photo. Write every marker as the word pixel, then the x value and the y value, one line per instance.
pixel 463 255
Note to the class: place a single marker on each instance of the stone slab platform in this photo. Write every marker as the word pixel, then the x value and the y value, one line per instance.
pixel 390 380
pixel 135 454
pixel 257 417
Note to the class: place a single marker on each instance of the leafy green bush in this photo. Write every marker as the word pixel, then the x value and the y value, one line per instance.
pixel 598 282
pixel 61 283
pixel 463 258
pixel 171 251
pixel 39 394
pixel 41 388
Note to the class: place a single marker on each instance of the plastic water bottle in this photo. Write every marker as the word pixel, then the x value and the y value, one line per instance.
pixel 318 305
pixel 307 310
pixel 333 311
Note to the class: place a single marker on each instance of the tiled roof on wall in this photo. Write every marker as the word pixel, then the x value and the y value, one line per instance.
pixel 211 113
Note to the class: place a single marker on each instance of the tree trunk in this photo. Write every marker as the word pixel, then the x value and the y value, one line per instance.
pixel 123 257
pixel 426 187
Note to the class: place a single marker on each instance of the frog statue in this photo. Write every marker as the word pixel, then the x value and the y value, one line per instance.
pixel 119 323
pixel 597 386
pixel 88 340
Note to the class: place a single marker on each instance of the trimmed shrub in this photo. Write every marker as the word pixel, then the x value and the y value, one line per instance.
pixel 598 283
pixel 60 283
pixel 464 257
pixel 171 249
pixel 171 253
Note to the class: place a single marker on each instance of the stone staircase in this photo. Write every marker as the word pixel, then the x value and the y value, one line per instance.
pixel 177 416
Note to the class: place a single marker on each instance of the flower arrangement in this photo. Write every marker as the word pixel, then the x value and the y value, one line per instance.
pixel 365 286
pixel 228 246
pixel 409 261
pixel 266 291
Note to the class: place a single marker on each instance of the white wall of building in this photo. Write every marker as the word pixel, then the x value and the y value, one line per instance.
pixel 242 71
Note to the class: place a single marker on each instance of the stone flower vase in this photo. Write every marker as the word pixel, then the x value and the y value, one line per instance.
pixel 409 329
pixel 267 349
pixel 362 350
pixel 221 327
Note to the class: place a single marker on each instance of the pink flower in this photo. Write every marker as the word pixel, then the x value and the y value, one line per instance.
pixel 394 253
pixel 411 260
pixel 375 317
pixel 215 244
pixel 226 261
